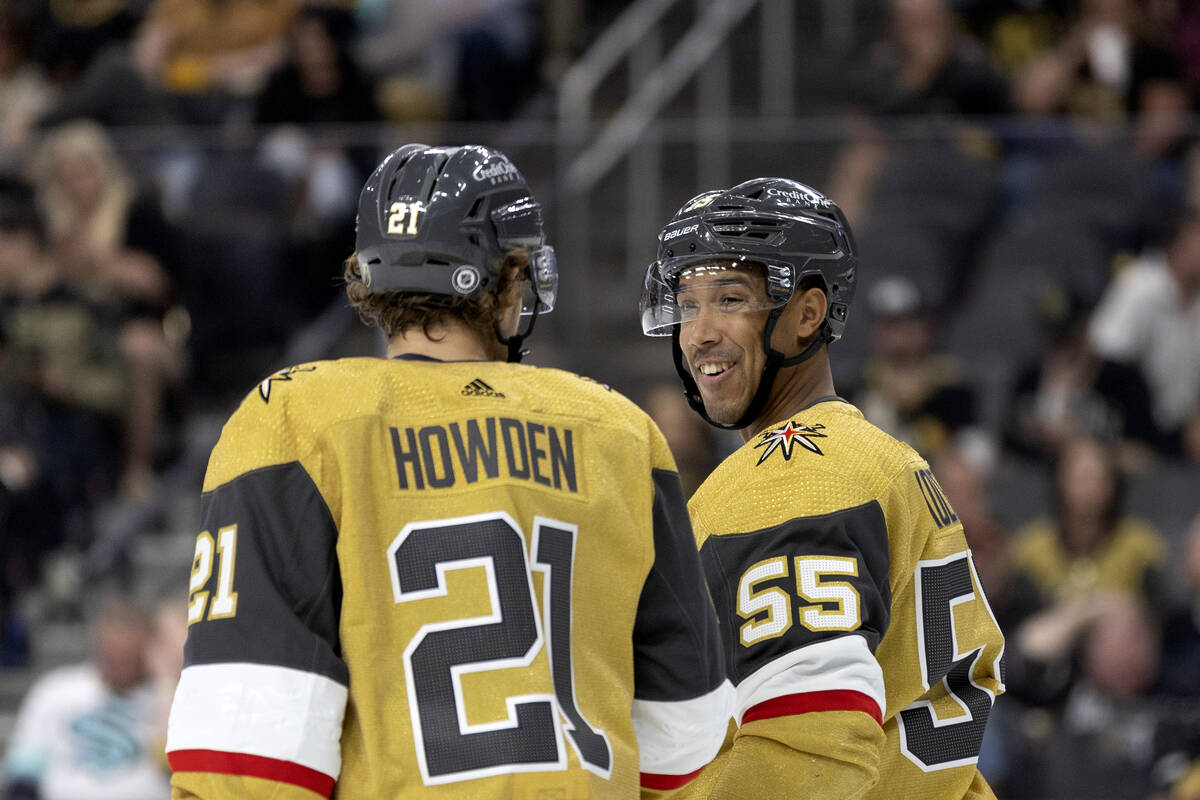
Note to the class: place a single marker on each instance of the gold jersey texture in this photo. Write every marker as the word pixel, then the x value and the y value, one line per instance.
pixel 419 579
pixel 843 583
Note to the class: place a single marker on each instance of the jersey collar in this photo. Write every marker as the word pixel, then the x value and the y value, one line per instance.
pixel 417 357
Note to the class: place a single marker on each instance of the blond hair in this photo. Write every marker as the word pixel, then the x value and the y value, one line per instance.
pixel 105 230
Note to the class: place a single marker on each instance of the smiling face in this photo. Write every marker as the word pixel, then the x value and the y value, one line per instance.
pixel 725 308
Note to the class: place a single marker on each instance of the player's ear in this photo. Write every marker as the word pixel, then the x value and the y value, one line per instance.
pixel 808 308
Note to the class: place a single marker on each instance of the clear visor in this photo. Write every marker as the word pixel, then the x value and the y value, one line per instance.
pixel 519 225
pixel 541 290
pixel 680 290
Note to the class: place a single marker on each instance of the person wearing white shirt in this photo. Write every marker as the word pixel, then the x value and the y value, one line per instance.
pixel 1150 316
pixel 90 731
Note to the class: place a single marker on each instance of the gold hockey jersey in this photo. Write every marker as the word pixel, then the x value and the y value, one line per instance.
pixel 419 579
pixel 843 583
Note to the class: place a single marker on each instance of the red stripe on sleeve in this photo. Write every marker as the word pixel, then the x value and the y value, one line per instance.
pixel 832 700
pixel 653 780
pixel 271 769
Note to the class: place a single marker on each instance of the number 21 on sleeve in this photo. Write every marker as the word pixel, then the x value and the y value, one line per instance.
pixel 224 601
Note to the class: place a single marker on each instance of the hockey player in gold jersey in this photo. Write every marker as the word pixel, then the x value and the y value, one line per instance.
pixel 858 638
pixel 438 574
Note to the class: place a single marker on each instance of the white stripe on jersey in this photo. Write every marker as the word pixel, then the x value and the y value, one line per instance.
pixel 844 663
pixel 275 712
pixel 681 736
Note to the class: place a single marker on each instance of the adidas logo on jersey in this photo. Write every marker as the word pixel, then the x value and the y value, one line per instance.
pixel 478 388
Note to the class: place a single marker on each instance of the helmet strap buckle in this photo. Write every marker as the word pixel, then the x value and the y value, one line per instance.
pixel 516 342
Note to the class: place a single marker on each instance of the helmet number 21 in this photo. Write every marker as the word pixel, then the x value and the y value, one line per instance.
pixel 449 747
pixel 401 211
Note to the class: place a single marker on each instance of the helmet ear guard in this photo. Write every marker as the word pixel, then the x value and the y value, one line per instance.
pixel 442 220
pixel 519 225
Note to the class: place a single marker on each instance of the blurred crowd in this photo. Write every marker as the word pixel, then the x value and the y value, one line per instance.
pixel 97 729
pixel 1032 283
pixel 144 284
pixel 132 280
pixel 1023 178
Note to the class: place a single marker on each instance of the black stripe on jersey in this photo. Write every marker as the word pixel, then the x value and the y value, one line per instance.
pixel 676 642
pixel 859 533
pixel 287 578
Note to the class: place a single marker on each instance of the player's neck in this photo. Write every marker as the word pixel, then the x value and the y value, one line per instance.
pixel 450 341
pixel 794 388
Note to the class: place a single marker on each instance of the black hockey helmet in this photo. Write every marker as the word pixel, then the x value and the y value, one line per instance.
pixel 790 230
pixel 440 220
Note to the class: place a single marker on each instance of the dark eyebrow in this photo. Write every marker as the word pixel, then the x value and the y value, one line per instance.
pixel 735 280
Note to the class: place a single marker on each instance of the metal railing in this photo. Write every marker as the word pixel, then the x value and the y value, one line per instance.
pixel 589 151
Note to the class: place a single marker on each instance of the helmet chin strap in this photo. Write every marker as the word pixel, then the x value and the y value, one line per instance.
pixel 514 343
pixel 775 361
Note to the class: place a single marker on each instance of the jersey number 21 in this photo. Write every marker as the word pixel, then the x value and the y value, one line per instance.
pixel 449 748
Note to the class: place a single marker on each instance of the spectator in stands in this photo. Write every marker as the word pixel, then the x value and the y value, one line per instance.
pixel 1015 31
pixel 87 198
pixel 221 46
pixel 1102 743
pixel 189 61
pixel 498 52
pixel 927 64
pixel 31 516
pixel 87 731
pixel 1108 65
pixel 67 36
pixel 25 93
pixel 910 388
pixel 1077 565
pixel 1149 317
pixel 319 84
pixel 319 80
pixel 122 85
pixel 1069 391
pixel 400 46
pixel 467 59
pixel 1087 544
pixel 62 371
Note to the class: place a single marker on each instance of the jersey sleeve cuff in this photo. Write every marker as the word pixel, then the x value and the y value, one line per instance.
pixel 236 716
pixel 677 738
pixel 838 674
pixel 251 766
